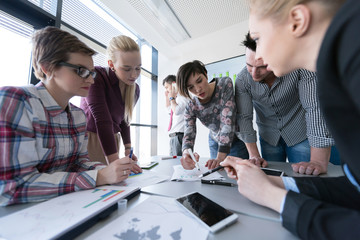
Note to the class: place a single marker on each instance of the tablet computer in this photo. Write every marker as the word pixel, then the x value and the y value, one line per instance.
pixel 213 216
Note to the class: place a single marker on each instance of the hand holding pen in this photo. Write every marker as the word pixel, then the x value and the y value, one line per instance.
pixel 189 162
pixel 134 168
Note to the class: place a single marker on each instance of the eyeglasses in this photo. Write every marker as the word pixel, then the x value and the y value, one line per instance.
pixel 81 71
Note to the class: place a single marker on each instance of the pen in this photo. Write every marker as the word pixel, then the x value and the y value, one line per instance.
pixel 211 171
pixel 170 157
pixel 131 153
pixel 193 158
pixel 217 182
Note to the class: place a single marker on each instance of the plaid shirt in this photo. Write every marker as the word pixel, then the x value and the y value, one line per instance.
pixel 43 149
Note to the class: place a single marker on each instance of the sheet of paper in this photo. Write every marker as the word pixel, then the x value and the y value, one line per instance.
pixel 52 218
pixel 155 218
pixel 180 174
pixel 146 178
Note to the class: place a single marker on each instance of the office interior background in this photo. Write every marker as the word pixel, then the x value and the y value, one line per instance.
pixel 169 32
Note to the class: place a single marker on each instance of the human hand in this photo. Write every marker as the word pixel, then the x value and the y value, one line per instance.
pixel 135 168
pixel 212 163
pixel 258 161
pixel 310 168
pixel 172 92
pixel 253 183
pixel 115 172
pixel 187 162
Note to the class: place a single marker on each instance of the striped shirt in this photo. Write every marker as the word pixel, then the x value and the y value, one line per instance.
pixel 43 149
pixel 289 109
pixel 218 115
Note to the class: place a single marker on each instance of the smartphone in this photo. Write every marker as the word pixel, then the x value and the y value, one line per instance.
pixel 210 214
pixel 273 172
pixel 148 165
pixel 174 87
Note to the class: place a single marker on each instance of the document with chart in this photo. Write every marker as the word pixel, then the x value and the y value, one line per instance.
pixel 181 174
pixel 53 218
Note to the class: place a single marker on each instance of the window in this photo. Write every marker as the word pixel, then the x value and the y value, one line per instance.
pixel 15 49
pixel 93 23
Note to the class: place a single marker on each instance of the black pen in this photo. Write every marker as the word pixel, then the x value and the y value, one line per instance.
pixel 215 182
pixel 211 171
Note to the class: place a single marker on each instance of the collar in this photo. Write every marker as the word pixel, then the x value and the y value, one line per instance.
pixel 48 101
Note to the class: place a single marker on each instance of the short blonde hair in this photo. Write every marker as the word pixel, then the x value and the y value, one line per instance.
pixel 124 44
pixel 278 9
pixel 51 45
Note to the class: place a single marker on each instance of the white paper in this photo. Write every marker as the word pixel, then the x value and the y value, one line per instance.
pixel 146 178
pixel 56 216
pixel 155 218
pixel 181 174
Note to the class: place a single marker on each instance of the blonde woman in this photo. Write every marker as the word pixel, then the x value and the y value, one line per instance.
pixel 319 35
pixel 109 105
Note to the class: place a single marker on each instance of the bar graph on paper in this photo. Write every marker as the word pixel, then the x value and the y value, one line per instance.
pixel 50 219
pixel 105 197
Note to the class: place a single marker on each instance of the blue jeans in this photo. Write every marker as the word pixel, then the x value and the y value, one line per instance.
pixel 297 153
pixel 238 148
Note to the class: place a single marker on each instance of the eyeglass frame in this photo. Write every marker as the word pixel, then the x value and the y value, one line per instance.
pixel 78 69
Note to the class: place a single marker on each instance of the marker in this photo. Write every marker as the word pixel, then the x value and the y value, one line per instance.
pixel 131 153
pixel 193 158
pixel 170 157
pixel 217 182
pixel 211 171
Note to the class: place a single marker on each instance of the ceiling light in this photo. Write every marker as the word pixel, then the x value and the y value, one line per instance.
pixel 167 19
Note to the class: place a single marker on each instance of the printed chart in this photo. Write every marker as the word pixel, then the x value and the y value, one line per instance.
pixel 155 218
pixel 146 178
pixel 56 216
pixel 180 174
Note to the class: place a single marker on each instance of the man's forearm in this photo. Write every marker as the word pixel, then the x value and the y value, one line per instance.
pixel 252 150
pixel 320 155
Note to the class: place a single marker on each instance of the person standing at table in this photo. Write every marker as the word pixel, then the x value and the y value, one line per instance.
pixel 43 138
pixel 323 36
pixel 109 105
pixel 175 103
pixel 213 104
pixel 289 120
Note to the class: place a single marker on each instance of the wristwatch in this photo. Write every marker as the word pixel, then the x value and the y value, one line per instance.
pixel 171 98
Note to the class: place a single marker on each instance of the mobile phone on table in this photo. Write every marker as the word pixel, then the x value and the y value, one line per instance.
pixel 210 214
pixel 148 165
pixel 273 172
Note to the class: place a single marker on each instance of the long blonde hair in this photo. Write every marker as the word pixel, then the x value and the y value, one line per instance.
pixel 125 44
pixel 278 9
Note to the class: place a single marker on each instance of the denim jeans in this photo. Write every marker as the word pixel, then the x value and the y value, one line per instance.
pixel 238 148
pixel 297 153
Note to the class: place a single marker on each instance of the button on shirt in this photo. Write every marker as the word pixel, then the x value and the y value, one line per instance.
pixel 43 148
pixel 289 109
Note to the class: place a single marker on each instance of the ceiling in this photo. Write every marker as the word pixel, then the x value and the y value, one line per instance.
pixel 201 19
